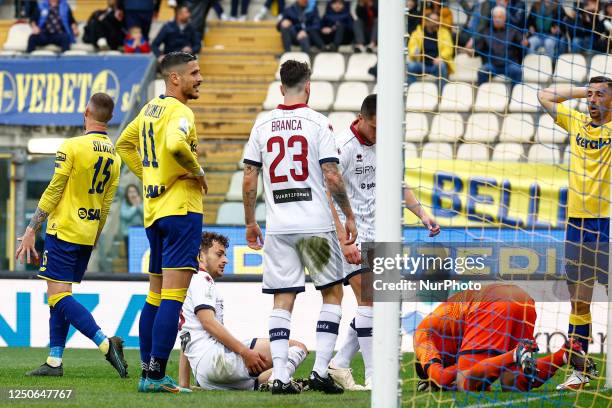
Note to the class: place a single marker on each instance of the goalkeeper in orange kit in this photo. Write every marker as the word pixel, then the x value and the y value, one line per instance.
pixel 477 337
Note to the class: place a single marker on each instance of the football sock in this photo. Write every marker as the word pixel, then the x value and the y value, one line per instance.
pixel 58 331
pixel 547 367
pixel 295 356
pixel 580 329
pixel 443 377
pixel 363 327
pixel 327 333
pixel 165 328
pixel 485 369
pixel 279 325
pixel 145 329
pixel 82 320
pixel 343 357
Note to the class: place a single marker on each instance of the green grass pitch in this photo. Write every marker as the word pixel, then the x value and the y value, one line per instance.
pixel 96 384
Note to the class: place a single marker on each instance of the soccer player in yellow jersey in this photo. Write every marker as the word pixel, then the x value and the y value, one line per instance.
pixel 76 203
pixel 588 224
pixel 159 146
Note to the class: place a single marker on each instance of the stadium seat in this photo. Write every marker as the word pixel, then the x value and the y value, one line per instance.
pixel 328 66
pixel 261 114
pixel 159 87
pixel 110 53
pixel 548 131
pixel 537 68
pixel 544 153
pixel 358 66
pixel 43 53
pixel 567 155
pixel 601 64
pixel 17 38
pixel 457 97
pixel 473 152
pixel 234 192
pixel 446 127
pixel 8 53
pixel 524 98
pixel 422 96
pixel 274 96
pixel 341 120
pixel 482 127
pixel 582 106
pixel 410 151
pixel 571 68
pixel 417 127
pixel 260 212
pixel 437 151
pixel 231 213
pixel 350 96
pixel 322 96
pixel 466 68
pixel 298 56
pixel 491 97
pixel 517 127
pixel 74 53
pixel 508 152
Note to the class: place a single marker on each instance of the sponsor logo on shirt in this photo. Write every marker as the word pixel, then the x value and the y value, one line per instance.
pixel 365 169
pixel 368 186
pixel 592 144
pixel 91 214
pixel 290 195
pixel 60 157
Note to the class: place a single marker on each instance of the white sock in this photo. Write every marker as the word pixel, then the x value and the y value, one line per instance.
pixel 279 324
pixel 54 361
pixel 363 327
pixel 327 333
pixel 296 357
pixel 343 357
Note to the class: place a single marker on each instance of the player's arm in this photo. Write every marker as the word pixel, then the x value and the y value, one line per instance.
pixel 550 97
pixel 184 371
pixel 253 162
pixel 411 202
pixel 127 147
pixel 351 252
pixel 177 130
pixel 254 361
pixel 109 195
pixel 337 190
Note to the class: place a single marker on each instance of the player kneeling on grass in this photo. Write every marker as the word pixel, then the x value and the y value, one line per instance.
pixel 477 337
pixel 217 359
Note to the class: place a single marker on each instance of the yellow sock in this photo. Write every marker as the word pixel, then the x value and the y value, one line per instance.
pixel 104 346
pixel 54 361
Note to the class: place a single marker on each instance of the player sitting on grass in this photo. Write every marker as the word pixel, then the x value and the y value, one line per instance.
pixel 587 233
pixel 476 337
pixel 77 202
pixel 220 361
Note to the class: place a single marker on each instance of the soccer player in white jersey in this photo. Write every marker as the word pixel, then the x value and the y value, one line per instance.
pixel 219 360
pixel 294 145
pixel 357 149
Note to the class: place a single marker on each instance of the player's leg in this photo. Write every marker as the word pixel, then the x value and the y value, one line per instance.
pixel 296 354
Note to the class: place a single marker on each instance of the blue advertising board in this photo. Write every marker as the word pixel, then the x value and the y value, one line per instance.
pixel 55 91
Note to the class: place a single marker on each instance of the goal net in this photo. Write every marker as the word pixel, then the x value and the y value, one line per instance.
pixel 496 171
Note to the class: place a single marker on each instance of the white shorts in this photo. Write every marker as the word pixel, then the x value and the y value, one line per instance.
pixel 286 256
pixel 222 369
pixel 351 270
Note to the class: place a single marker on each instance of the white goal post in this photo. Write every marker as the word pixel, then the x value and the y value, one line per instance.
pixel 389 179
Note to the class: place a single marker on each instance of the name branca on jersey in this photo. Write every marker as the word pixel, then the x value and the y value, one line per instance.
pixel 592 144
pixel 286 124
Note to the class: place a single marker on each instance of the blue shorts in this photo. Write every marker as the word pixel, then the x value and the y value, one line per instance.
pixel 64 261
pixel 587 242
pixel 175 242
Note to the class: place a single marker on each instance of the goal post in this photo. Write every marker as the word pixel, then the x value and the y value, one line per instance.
pixel 389 179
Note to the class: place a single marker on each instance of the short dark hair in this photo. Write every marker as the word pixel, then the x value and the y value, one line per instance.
pixel 368 107
pixel 180 7
pixel 601 80
pixel 208 238
pixel 101 106
pixel 175 59
pixel 294 72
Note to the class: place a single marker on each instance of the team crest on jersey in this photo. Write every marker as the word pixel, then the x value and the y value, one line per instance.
pixel 359 157
pixel 184 125
pixel 59 156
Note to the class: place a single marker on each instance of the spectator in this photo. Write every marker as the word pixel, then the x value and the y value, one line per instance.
pixel 131 212
pixel 298 26
pixel 104 28
pixel 216 5
pixel 177 35
pixel 199 13
pixel 546 24
pixel 265 9
pixel 516 14
pixel 500 48
pixel 414 15
pixel 337 25
pixel 430 50
pixel 586 25
pixel 445 13
pixel 138 13
pixel 135 43
pixel 244 9
pixel 366 25
pixel 52 23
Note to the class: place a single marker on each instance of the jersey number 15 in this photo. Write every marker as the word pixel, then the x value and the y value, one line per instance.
pixel 98 187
